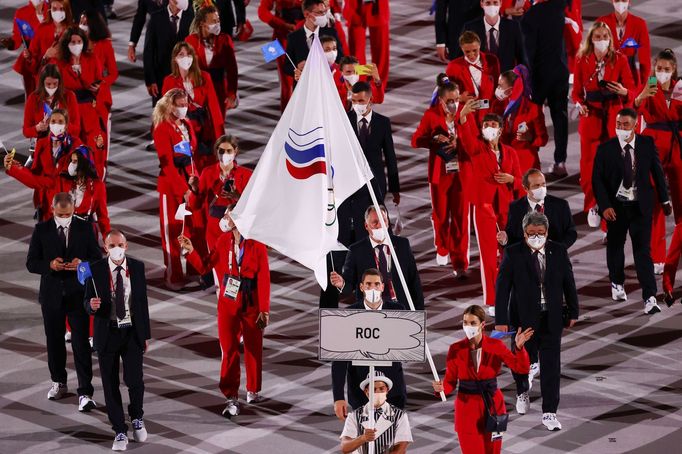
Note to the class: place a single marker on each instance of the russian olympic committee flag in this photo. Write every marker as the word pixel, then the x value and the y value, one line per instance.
pixel 311 164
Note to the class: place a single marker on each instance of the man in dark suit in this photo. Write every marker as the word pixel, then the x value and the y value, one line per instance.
pixel 372 287
pixel 499 36
pixel 624 168
pixel 299 41
pixel 231 17
pixel 57 247
pixel 144 7
pixel 539 276
pixel 373 252
pixel 451 15
pixel 561 225
pixel 117 296
pixel 165 29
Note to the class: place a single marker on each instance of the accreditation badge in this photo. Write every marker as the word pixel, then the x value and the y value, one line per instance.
pixel 496 436
pixel 627 195
pixel 231 285
pixel 452 166
pixel 125 322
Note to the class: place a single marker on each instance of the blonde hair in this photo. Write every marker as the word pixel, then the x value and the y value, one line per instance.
pixel 586 48
pixel 200 17
pixel 164 108
pixel 194 72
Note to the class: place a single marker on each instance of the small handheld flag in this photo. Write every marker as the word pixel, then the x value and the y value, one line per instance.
pixel 47 110
pixel 83 272
pixel 272 50
pixel 183 148
pixel 501 334
pixel 180 214
pixel 630 43
pixel 25 29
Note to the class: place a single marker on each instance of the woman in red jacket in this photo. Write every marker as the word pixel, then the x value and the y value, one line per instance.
pixel 602 85
pixel 473 363
pixel 524 122
pixel 243 307
pixel 218 187
pixel 175 145
pixel 215 52
pixel 449 176
pixel 45 44
pixel 204 111
pixel 48 96
pixel 345 77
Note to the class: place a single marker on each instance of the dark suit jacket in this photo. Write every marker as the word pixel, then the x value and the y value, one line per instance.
pixel 379 149
pixel 139 307
pixel 344 371
pixel 229 16
pixel 607 174
pixel 518 285
pixel 45 247
pixel 158 44
pixel 510 42
pixel 144 7
pixel 451 15
pixel 360 258
pixel 561 225
pixel 297 46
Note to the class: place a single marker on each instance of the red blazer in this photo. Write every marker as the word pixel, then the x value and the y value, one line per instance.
pixel 43 39
pixel 673 259
pixel 210 186
pixel 91 71
pixel 204 96
pixel 458 71
pixel 26 13
pixel 34 113
pixel 104 52
pixel 469 408
pixel 279 26
pixel 656 112
pixel 367 14
pixel 254 266
pixel 532 115
pixel 172 180
pixel 636 28
pixel 344 91
pixel 223 59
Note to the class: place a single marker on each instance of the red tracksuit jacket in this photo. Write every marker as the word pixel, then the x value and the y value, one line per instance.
pixel 34 112
pixel 635 28
pixel 172 180
pixel 104 52
pixel 458 71
pixel 223 60
pixel 366 14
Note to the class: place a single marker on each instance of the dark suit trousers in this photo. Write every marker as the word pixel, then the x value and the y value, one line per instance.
pixel 557 101
pixel 629 218
pixel 544 346
pixel 53 320
pixel 122 344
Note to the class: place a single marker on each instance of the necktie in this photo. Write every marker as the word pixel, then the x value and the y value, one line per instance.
pixel 492 42
pixel 311 38
pixel 377 413
pixel 383 269
pixel 174 26
pixel 621 32
pixel 538 267
pixel 363 133
pixel 62 237
pixel 627 168
pixel 539 208
pixel 120 294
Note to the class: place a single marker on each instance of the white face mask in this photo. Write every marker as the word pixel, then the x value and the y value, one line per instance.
pixel 226 159
pixel 73 167
pixel 180 112
pixel 537 242
pixel 321 21
pixel 501 93
pixel 623 134
pixel 57 129
pixel 51 91
pixel 621 7
pixel 378 235
pixel 372 296
pixel 76 49
pixel 360 109
pixel 63 222
pixel 663 76
pixel 473 62
pixel 451 107
pixel 470 331
pixel 331 56
pixel 214 29
pixel 184 62
pixel 601 46
pixel 58 16
pixel 117 253
pixel 182 4
pixel 379 399
pixel 491 10
pixel 224 225
pixel 490 133
pixel 539 193
pixel 84 27
pixel 352 79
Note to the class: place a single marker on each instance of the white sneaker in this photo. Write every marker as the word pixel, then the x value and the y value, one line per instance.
pixel 658 268
pixel 85 404
pixel 253 398
pixel 651 306
pixel 522 403
pixel 91 342
pixel 139 431
pixel 442 260
pixel 534 371
pixel 550 422
pixel 120 442
pixel 491 311
pixel 231 408
pixel 67 336
pixel 57 391
pixel 593 218
pixel 618 293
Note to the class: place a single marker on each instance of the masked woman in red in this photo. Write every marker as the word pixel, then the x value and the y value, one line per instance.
pixel 473 363
pixel 45 44
pixel 602 85
pixel 204 111
pixel 34 13
pixel 449 175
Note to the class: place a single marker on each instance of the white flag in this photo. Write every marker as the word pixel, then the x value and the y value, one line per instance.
pixel 311 164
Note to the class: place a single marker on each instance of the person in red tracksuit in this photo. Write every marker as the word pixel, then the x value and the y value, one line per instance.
pixel 573 31
pixel 671 262
pixel 662 112
pixel 345 77
pixel 204 111
pixel 45 44
pixel 524 122
pixel 375 16
pixel 475 73
pixel 49 95
pixel 602 85
pixel 243 307
pixel 496 179
pixel 479 358
pixel 34 14
pixel 174 139
pixel 631 38
pixel 215 52
pixel 284 21
pixel 449 176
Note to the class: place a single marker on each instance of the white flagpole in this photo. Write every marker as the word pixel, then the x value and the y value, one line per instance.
pixel 371 421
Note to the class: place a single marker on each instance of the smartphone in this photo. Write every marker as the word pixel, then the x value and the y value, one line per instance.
pixel 482 104
pixel 653 81
pixel 363 70
pixel 229 185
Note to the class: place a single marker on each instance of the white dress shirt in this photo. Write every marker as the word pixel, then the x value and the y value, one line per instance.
pixel 126 285
pixel 496 33
pixel 367 117
pixel 170 17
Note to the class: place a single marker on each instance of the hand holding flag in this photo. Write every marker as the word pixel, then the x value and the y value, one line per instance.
pixel 83 272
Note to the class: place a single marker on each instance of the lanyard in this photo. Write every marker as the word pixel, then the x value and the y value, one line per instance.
pixel 237 249
pixel 111 277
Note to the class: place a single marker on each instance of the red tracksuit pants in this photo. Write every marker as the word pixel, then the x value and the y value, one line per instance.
pixel 487 222
pixel 450 218
pixel 232 323
pixel 478 444
pixel 170 231
pixel 378 44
